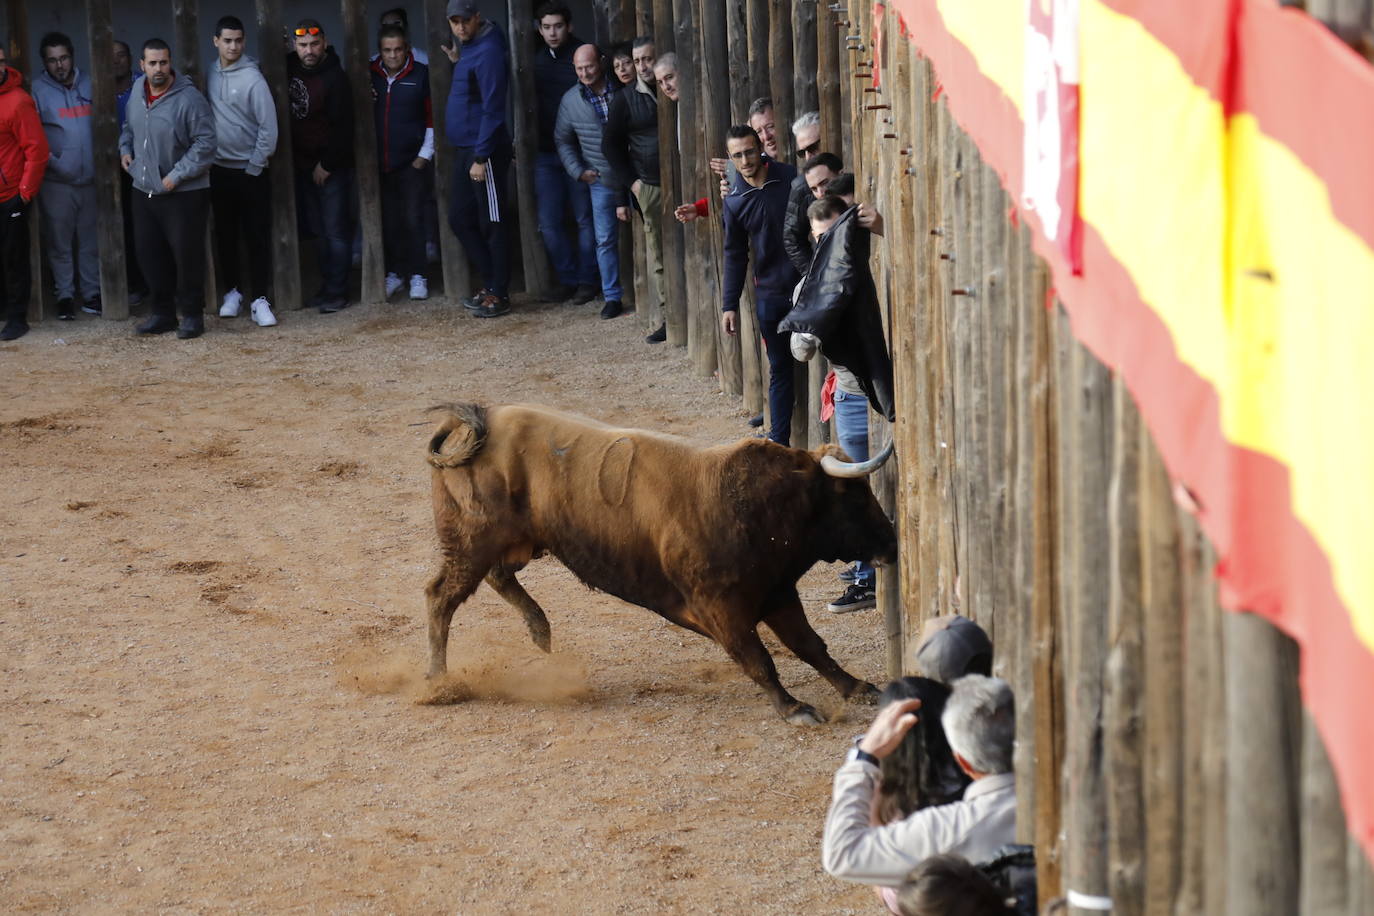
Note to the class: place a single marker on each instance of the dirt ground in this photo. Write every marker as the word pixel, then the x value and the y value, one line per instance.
pixel 212 557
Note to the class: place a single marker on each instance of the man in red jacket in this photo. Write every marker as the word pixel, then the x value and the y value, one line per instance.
pixel 23 158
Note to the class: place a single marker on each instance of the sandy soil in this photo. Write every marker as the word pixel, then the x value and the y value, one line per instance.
pixel 212 556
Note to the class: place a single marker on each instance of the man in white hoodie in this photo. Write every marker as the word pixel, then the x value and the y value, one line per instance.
pixel 240 189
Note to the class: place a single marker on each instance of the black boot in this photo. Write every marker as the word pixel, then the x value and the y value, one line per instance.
pixel 191 326
pixel 157 324
pixel 14 329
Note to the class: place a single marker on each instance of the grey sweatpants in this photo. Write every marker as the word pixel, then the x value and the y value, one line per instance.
pixel 69 237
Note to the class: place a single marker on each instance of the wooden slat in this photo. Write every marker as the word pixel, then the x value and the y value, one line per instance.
pixel 286 255
pixel 715 119
pixel 756 12
pixel 674 278
pixel 701 313
pixel 1324 881
pixel 780 73
pixel 109 230
pixel 453 261
pixel 520 23
pixel 373 286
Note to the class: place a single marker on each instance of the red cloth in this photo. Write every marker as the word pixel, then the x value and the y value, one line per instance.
pixel 828 397
pixel 23 145
pixel 703 209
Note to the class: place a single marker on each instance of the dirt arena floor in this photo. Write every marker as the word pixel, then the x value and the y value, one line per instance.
pixel 212 557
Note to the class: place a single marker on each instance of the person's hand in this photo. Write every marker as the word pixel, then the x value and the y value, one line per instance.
pixel 889 728
pixel 478 172
pixel 622 214
pixel 729 322
pixel 169 183
pixel 420 162
pixel 870 219
pixel 589 176
pixel 125 161
pixel 450 51
pixel 686 213
pixel 635 187
pixel 718 165
pixel 320 175
pixel 724 189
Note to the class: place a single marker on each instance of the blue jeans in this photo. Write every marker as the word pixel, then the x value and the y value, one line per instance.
pixel 851 426
pixel 604 202
pixel 781 396
pixel 554 193
pixel 326 212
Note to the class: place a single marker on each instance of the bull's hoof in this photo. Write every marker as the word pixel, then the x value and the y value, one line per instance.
pixel 864 693
pixel 804 715
pixel 433 673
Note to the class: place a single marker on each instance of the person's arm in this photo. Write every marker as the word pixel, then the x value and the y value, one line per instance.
pixel 796 232
pixel 493 77
pixel 34 142
pixel 736 262
pixel 427 147
pixel 265 110
pixel 200 155
pixel 565 141
pixel 338 111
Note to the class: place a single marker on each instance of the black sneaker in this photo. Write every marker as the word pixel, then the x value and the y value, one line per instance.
pixel 584 293
pixel 192 326
pixel 474 302
pixel 91 306
pixel 612 309
pixel 492 306
pixel 756 420
pixel 14 329
pixel 330 306
pixel 855 598
pixel 658 336
pixel 157 324
pixel 66 311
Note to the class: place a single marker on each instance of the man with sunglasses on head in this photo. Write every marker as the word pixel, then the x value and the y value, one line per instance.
pixel 322 153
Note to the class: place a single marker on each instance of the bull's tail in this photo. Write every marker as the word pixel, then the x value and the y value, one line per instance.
pixel 462 432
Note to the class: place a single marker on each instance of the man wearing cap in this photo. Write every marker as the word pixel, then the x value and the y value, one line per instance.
pixel 951 647
pixel 475 119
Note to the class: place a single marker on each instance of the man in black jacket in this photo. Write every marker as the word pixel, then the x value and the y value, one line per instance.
pixel 630 143
pixel 797 232
pixel 322 152
pixel 555 191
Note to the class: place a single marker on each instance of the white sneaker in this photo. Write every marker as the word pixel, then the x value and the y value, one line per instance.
pixel 229 308
pixel 419 287
pixel 393 283
pixel 261 311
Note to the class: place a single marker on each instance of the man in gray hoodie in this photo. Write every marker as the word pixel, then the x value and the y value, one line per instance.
pixel 240 189
pixel 168 145
pixel 63 96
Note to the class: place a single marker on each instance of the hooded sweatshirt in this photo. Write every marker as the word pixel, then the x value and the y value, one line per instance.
pixel 245 116
pixel 476 113
pixel 23 145
pixel 173 136
pixel 321 113
pixel 66 116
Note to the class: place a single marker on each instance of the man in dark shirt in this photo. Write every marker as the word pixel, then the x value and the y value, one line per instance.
pixel 322 150
pixel 555 190
pixel 755 210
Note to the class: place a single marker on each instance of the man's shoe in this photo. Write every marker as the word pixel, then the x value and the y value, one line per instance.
pixel 493 306
pixel 584 293
pixel 261 310
pixel 92 306
pixel 393 283
pixel 14 329
pixel 756 420
pixel 612 309
pixel 233 301
pixel 474 302
pixel 658 336
pixel 157 324
pixel 330 306
pixel 66 311
pixel 419 287
pixel 855 598
pixel 850 573
pixel 136 296
pixel 561 293
pixel 191 327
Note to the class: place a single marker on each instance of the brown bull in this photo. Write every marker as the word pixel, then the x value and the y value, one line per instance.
pixel 713 539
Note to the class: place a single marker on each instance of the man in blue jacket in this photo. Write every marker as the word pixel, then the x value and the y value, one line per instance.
pixel 405 146
pixel 63 96
pixel 755 211
pixel 479 201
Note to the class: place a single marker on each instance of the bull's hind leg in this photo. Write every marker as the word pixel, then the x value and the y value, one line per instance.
pixel 789 622
pixel 745 647
pixel 450 588
pixel 502 579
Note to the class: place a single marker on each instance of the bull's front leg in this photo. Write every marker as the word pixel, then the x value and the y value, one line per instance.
pixel 450 588
pixel 789 622
pixel 744 646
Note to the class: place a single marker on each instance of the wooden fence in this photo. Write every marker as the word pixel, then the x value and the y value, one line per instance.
pixel 1164 759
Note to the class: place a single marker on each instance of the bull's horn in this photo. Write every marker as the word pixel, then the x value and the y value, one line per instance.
pixel 837 468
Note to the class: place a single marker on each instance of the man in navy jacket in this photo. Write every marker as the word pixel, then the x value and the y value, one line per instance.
pixel 479 201
pixel 755 211
pixel 405 146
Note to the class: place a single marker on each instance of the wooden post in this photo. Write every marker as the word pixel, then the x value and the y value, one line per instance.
pixel 780 73
pixel 757 13
pixel 737 46
pixel 674 279
pixel 373 286
pixel 187 60
pixel 453 260
pixel 523 99
pixel 1325 878
pixel 286 255
pixel 701 307
pixel 828 82
pixel 804 50
pixel 715 119
pixel 752 378
pixel 109 229
pixel 1262 789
